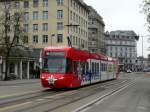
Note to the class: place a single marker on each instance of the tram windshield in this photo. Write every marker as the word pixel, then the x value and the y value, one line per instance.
pixel 54 64
pixel 57 65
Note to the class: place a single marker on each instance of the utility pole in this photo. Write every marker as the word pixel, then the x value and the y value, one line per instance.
pixel 143 51
pixel 142 46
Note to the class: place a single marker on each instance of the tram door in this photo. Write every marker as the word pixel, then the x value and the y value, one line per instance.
pixel 77 72
pixel 79 69
pixel 75 69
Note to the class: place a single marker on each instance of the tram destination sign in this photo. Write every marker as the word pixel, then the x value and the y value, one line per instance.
pixel 52 53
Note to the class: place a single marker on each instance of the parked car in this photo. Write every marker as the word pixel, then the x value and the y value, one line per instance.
pixel 146 70
pixel 128 71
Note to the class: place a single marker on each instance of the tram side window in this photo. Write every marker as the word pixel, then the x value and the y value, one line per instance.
pixel 83 67
pixel 105 67
pixel 97 67
pixel 69 66
pixel 102 67
pixel 75 68
pixel 87 66
pixel 79 68
pixel 92 66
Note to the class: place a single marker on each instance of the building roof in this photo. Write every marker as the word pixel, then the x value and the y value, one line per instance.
pixel 83 4
pixel 124 33
pixel 94 14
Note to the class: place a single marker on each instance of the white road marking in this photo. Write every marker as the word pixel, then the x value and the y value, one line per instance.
pixel 102 98
pixel 14 106
pixel 19 94
pixel 40 99
pixel 65 93
pixel 84 110
pixel 97 103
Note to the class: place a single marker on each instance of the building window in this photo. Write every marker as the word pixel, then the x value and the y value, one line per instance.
pixel 26 16
pixel 26 4
pixel 45 38
pixel 59 14
pixel 35 3
pixel 45 15
pixel 25 39
pixel 26 27
pixel 45 26
pixel 17 5
pixel 35 15
pixel 16 15
pixel 70 15
pixel 60 26
pixel 17 39
pixel 35 38
pixel 111 55
pixel 45 3
pixel 35 27
pixel 59 38
pixel 60 2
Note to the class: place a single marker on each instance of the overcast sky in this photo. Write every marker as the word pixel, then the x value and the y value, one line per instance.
pixel 123 15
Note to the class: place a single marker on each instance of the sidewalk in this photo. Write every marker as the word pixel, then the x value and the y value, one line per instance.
pixel 17 82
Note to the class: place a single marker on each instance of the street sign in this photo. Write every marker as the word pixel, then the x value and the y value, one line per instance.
pixel 1 59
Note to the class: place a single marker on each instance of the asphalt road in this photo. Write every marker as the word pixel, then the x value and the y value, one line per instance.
pixel 135 98
pixel 130 93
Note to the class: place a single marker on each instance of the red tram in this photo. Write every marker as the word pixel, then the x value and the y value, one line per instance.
pixel 66 67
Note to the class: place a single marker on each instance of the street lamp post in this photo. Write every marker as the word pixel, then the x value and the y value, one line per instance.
pixel 142 46
pixel 143 51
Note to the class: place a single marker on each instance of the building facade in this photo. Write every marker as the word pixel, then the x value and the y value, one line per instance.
pixel 122 45
pixel 49 23
pixel 96 32
pixel 142 63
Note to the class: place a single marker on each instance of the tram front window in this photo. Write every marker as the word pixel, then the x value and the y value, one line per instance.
pixel 54 64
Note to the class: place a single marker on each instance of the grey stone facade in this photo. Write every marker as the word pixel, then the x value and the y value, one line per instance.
pixel 123 45
pixel 22 64
pixel 96 36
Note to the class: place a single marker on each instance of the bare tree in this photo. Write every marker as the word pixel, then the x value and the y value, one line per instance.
pixel 146 11
pixel 11 31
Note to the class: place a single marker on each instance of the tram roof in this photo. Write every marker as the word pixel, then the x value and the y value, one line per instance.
pixel 51 48
pixel 81 53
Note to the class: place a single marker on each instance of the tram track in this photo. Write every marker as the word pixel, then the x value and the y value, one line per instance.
pixel 102 84
pixel 28 93
pixel 48 94
pixel 95 90
pixel 16 84
pixel 22 98
pixel 98 100
pixel 65 98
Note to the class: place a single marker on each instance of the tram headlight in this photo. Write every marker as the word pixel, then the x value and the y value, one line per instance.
pixel 61 78
pixel 42 77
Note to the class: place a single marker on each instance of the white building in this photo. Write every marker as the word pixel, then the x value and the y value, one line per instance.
pixel 122 45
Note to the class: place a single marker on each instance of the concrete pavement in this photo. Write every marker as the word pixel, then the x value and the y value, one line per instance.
pixel 17 82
